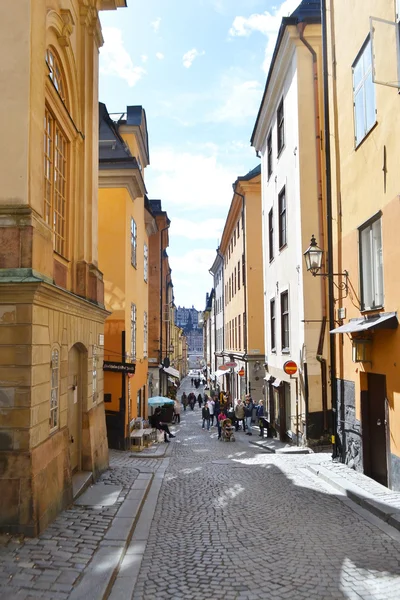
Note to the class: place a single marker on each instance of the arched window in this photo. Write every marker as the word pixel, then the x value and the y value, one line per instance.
pixel 56 74
pixel 56 160
pixel 54 393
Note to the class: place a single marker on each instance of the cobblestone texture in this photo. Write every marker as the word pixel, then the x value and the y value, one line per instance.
pixel 235 523
pixel 231 523
pixel 49 566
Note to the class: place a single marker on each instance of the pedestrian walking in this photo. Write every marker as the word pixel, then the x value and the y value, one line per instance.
pixel 248 413
pixel 177 411
pixel 192 400
pixel 205 413
pixel 184 401
pixel 239 415
pixel 192 381
pixel 221 417
pixel 211 404
pixel 200 400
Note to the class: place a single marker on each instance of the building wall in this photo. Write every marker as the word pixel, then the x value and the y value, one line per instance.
pixel 361 189
pixel 48 300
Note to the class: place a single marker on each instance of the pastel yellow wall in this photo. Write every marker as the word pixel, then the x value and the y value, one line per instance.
pixel 361 190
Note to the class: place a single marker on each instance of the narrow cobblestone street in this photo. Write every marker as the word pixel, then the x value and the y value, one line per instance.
pixel 226 521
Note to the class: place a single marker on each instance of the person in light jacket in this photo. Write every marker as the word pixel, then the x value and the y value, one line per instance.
pixel 239 415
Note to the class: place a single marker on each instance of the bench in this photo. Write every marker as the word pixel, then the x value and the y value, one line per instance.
pixel 141 437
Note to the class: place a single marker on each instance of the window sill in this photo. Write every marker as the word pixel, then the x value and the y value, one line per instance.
pixel 285 351
pixel 375 309
pixel 283 247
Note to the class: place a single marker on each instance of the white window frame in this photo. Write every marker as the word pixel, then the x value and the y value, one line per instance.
pixel 145 334
pixel 371 264
pixel 133 243
pixel 133 331
pixel 55 390
pixel 145 262
pixel 360 91
pixel 285 314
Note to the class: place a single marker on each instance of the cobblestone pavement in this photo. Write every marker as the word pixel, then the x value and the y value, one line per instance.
pixel 238 524
pixel 48 566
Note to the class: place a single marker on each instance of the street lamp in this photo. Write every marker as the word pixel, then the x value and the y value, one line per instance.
pixel 313 257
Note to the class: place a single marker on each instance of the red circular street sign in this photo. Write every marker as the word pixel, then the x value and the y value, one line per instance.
pixel 241 373
pixel 290 367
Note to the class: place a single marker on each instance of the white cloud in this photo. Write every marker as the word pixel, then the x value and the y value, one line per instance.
pixel 189 180
pixel 189 57
pixel 160 56
pixel 144 58
pixel 156 24
pixel 115 60
pixel 267 23
pixel 207 229
pixel 191 278
pixel 240 100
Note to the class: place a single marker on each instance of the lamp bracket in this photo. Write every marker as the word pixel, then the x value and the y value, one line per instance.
pixel 342 286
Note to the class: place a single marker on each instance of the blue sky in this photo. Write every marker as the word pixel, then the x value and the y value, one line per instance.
pixel 198 68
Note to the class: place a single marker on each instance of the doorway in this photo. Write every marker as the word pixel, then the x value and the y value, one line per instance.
pixel 375 428
pixel 75 407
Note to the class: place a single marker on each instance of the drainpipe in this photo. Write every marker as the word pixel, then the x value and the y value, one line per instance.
pixel 245 287
pixel 332 345
pixel 161 299
pixel 300 28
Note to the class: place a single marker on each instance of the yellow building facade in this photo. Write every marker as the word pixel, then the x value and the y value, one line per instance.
pixel 364 124
pixel 52 314
pixel 125 224
pixel 241 250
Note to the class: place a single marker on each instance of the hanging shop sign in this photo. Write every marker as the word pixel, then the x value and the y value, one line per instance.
pixel 116 367
pixel 290 367
pixel 229 365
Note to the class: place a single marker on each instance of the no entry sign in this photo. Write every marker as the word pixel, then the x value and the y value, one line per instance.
pixel 290 367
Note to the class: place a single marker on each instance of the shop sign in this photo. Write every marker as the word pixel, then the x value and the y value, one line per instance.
pixel 229 365
pixel 290 367
pixel 116 367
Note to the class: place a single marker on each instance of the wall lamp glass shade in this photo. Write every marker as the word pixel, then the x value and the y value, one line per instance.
pixel 313 257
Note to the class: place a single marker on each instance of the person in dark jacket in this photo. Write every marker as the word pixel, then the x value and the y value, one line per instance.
pixel 262 421
pixel 205 413
pixel 158 424
pixel 248 414
pixel 200 400
pixel 184 401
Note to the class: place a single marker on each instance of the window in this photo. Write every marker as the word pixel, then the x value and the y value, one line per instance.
pixel 55 369
pixel 243 271
pixel 94 375
pixel 133 242
pixel 271 234
pixel 238 275
pixel 238 229
pixel 282 218
pixel 145 262
pixel 235 281
pixel 239 332
pixel 269 154
pixel 272 317
pixel 280 127
pixel 56 74
pixel 145 334
pixel 55 181
pixel 244 330
pixel 364 93
pixel 371 265
pixel 230 289
pixel 234 237
pixel 133 331
pixel 285 321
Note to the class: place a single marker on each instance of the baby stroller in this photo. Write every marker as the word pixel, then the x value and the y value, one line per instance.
pixel 227 430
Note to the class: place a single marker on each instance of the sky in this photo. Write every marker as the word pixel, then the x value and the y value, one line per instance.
pixel 198 68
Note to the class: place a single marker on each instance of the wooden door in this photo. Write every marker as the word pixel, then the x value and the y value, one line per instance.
pixel 74 406
pixel 375 429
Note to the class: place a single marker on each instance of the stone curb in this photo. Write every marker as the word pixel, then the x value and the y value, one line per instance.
pixel 97 576
pixel 127 572
pixel 380 508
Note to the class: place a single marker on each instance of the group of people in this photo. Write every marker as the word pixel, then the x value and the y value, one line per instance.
pixel 190 400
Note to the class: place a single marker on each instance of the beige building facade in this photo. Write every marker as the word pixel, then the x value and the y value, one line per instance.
pixel 52 421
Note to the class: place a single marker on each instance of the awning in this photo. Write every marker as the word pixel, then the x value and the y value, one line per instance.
pixel 276 383
pixel 172 371
pixel 269 377
pixel 380 321
pixel 220 372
